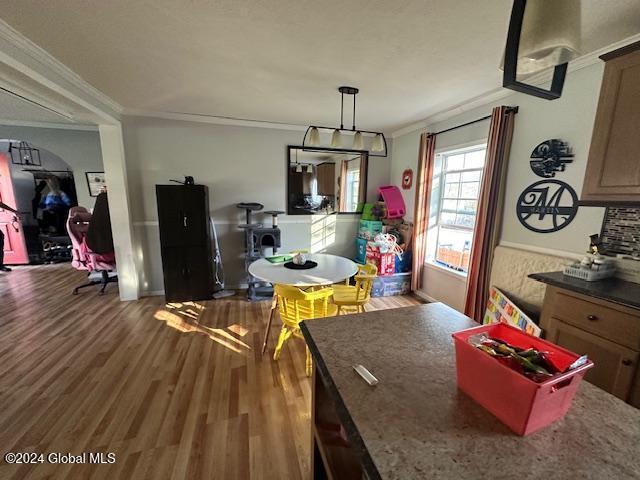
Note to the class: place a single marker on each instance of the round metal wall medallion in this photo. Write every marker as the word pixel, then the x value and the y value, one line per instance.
pixel 549 157
pixel 547 206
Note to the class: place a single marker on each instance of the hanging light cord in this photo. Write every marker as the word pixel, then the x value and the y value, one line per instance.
pixel 354 112
pixel 341 110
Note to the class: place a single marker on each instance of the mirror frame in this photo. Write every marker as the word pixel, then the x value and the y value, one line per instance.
pixel 290 148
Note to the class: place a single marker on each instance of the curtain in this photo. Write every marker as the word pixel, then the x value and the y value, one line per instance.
pixel 490 208
pixel 424 179
pixel 362 186
pixel 344 168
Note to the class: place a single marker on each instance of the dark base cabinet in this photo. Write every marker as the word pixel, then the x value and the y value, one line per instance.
pixel 185 241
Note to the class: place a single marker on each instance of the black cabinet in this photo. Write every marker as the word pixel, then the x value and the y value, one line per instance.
pixel 185 242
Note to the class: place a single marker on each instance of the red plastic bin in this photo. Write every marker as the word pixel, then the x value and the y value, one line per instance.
pixel 522 404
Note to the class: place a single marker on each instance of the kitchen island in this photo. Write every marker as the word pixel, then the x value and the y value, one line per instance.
pixel 416 424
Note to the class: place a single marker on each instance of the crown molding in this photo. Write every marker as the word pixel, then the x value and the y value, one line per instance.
pixel 26 57
pixel 494 95
pixel 60 126
pixel 212 119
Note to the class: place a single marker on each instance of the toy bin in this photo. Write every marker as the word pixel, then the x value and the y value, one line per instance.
pixel 520 403
pixel 361 251
pixel 369 229
pixel 385 262
pixel 404 264
pixel 391 285
pixel 367 212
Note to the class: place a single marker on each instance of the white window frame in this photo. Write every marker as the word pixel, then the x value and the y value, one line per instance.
pixel 443 153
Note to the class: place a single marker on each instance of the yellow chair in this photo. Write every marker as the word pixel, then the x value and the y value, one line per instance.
pixel 358 295
pixel 296 305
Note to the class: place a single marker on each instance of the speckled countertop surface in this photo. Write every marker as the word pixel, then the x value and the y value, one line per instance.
pixel 416 424
pixel 611 289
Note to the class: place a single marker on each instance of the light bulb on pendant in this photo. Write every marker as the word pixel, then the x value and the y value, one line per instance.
pixel 336 139
pixel 378 144
pixel 314 137
pixel 299 168
pixel 358 141
pixel 309 168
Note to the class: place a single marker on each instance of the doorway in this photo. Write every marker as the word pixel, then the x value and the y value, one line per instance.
pixel 15 249
pixel 42 192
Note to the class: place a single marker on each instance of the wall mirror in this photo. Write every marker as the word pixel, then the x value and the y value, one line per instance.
pixel 325 180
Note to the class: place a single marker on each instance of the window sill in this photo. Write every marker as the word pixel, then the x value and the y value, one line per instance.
pixel 449 271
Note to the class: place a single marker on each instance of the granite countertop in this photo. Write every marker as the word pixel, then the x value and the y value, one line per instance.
pixel 416 423
pixel 611 289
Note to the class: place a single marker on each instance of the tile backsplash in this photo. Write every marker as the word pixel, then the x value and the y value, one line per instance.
pixel 621 231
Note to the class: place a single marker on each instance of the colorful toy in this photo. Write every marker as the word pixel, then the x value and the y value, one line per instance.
pixel 501 309
pixel 393 201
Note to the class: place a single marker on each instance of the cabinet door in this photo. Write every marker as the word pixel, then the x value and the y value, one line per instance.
pixel 195 216
pixel 613 168
pixel 170 214
pixel 614 365
pixel 174 270
pixel 328 178
pixel 182 215
pixel 199 265
pixel 321 179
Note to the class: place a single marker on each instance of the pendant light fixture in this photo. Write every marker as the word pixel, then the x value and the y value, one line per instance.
pixel 542 34
pixel 336 139
pixel 378 145
pixel 358 141
pixel 298 166
pixel 309 168
pixel 314 137
pixel 24 154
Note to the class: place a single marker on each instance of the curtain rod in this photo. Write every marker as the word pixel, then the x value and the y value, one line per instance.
pixel 482 119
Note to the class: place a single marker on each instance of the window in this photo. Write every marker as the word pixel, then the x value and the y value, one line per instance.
pixel 454 203
pixel 353 187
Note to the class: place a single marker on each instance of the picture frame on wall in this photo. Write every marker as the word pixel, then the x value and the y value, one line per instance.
pixel 95 181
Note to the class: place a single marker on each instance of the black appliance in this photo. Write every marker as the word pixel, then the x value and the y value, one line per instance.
pixel 185 242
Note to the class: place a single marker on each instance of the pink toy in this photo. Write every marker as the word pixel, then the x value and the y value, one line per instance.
pixel 393 201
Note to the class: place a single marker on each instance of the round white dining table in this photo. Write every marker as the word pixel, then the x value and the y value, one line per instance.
pixel 330 269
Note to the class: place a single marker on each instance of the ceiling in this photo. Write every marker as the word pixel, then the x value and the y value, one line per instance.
pixel 25 100
pixel 282 61
pixel 19 110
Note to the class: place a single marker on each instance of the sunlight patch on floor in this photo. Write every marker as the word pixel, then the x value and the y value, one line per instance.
pixel 184 317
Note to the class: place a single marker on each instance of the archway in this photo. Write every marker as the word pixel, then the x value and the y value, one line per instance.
pixel 41 187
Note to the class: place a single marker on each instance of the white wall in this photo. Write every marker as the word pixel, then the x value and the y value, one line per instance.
pixel 238 164
pixel 80 149
pixel 569 118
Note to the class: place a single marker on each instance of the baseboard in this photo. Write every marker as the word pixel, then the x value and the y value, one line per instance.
pixel 420 294
pixel 159 293
pixel 152 293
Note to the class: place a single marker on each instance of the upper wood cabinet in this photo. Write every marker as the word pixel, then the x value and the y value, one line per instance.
pixel 613 168
pixel 326 174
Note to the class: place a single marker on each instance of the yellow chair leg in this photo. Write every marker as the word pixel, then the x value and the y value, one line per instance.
pixel 339 310
pixel 285 333
pixel 309 363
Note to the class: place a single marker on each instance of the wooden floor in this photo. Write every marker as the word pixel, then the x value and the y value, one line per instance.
pixel 175 391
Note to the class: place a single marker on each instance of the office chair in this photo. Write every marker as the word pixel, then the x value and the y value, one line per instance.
pixel 82 226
